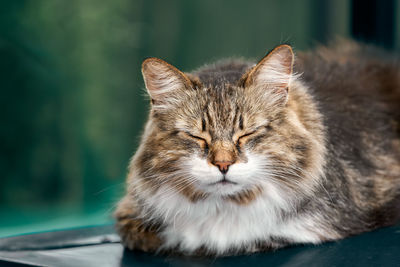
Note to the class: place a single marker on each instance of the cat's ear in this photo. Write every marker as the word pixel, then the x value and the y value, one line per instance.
pixel 163 81
pixel 274 71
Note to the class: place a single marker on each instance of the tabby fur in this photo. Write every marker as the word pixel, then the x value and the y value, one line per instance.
pixel 238 157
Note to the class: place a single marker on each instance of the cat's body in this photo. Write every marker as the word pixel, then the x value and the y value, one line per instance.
pixel 306 158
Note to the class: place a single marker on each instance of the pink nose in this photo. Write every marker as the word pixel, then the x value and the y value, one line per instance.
pixel 223 166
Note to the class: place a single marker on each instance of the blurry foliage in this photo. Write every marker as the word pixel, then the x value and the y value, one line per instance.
pixel 72 105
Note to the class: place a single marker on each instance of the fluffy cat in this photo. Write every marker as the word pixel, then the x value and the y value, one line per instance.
pixel 238 157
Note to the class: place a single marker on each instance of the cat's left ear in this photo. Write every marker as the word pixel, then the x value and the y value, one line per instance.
pixel 274 71
pixel 164 82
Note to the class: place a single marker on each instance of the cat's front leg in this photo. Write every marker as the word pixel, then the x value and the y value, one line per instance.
pixel 134 232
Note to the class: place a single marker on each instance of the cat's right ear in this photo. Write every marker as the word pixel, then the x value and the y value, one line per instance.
pixel 273 72
pixel 163 82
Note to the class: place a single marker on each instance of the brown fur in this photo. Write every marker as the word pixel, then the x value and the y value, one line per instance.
pixel 245 197
pixel 134 232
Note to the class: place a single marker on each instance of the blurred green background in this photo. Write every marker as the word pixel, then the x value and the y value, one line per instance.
pixel 72 98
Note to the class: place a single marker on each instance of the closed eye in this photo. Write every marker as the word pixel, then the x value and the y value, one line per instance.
pixel 203 141
pixel 244 137
pixel 196 137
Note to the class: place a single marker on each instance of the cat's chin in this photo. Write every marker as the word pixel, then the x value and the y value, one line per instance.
pixel 223 182
pixel 222 188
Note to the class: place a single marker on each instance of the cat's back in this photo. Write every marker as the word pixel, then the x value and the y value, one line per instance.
pixel 357 90
pixel 352 77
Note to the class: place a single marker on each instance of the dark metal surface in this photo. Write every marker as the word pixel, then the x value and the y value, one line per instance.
pixel 99 246
pixel 61 239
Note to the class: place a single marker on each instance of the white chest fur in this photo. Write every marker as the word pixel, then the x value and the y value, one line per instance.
pixel 219 225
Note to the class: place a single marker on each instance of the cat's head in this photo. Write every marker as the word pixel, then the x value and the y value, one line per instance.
pixel 232 130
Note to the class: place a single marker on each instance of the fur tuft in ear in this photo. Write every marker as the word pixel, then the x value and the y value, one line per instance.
pixel 274 71
pixel 163 81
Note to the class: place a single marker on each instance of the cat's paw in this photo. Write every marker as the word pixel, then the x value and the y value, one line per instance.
pixel 135 236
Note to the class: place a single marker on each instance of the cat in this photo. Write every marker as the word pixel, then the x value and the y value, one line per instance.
pixel 238 157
